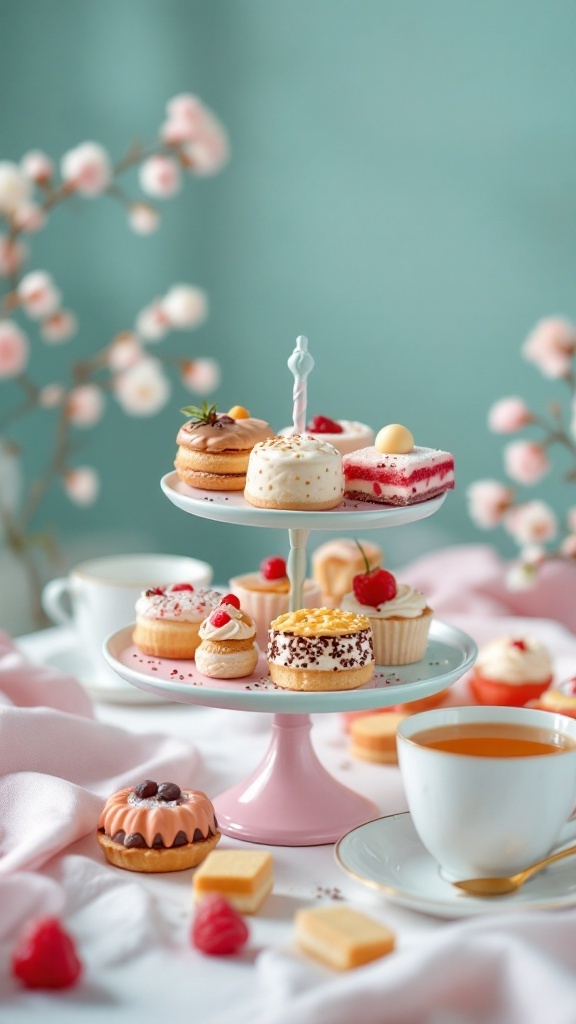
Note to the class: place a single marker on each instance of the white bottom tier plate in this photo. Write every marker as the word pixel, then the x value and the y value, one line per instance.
pixel 450 653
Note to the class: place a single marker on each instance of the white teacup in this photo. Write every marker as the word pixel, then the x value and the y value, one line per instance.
pixel 486 816
pixel 98 597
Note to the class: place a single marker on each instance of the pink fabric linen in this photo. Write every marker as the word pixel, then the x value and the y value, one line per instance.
pixel 470 580
pixel 58 764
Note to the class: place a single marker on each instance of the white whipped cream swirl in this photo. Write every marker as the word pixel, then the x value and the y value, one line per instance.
pixel 235 629
pixel 503 661
pixel 407 604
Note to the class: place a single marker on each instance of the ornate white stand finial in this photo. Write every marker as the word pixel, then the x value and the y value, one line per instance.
pixel 300 364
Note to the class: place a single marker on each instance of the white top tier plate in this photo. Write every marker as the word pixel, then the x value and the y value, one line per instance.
pixel 232 507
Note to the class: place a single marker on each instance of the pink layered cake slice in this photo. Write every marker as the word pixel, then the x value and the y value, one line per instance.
pixel 395 479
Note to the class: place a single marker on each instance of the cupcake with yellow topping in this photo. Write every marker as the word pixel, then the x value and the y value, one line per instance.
pixel 320 649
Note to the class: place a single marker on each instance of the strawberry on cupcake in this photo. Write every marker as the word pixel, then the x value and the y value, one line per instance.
pixel 399 616
pixel 266 594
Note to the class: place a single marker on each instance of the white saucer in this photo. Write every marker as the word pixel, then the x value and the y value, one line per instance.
pixel 387 855
pixel 103 686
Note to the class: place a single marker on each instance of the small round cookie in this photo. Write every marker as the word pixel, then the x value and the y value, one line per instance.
pixel 228 649
pixel 411 708
pixel 373 737
pixel 168 619
pixel 213 447
pixel 297 472
pixel 157 827
pixel 320 649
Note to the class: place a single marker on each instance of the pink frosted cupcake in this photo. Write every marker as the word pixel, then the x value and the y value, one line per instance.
pixel 265 595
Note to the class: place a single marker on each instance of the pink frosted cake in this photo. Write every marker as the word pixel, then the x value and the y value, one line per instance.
pixel 395 477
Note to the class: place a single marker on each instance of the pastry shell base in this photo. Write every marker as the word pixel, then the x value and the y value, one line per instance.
pixel 150 861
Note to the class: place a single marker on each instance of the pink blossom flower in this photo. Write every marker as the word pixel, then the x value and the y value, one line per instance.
pixel 29 217
pixel 509 415
pixel 12 255
pixel 14 187
pixel 568 546
pixel 61 326
pixel 143 218
pixel 525 462
pixel 85 405
pixel 125 351
pixel 201 375
pixel 82 485
pixel 14 349
pixel 87 169
pixel 185 306
pixel 551 346
pixel 38 294
pixel 207 155
pixel 185 120
pixel 533 522
pixel 488 500
pixel 144 389
pixel 160 177
pixel 51 396
pixel 533 554
pixel 152 323
pixel 37 167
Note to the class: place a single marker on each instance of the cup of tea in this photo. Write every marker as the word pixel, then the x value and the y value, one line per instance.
pixel 490 790
pixel 99 596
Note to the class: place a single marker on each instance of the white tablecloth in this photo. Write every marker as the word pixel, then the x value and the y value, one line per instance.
pixel 163 979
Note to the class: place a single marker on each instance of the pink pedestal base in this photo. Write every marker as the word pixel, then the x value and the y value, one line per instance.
pixel 291 800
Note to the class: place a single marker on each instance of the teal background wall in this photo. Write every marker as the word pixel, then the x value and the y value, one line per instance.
pixel 401 189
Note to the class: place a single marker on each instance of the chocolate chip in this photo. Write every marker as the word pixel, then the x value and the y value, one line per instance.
pixel 145 789
pixel 134 840
pixel 119 837
pixel 169 791
pixel 198 836
pixel 181 839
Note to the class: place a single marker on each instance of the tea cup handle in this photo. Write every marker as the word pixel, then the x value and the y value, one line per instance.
pixel 52 601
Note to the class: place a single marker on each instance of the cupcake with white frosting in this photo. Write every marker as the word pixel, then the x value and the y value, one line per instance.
pixel 511 671
pixel 399 616
pixel 228 648
pixel 168 619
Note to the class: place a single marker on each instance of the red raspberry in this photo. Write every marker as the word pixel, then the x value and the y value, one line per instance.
pixel 519 644
pixel 273 568
pixel 231 599
pixel 324 425
pixel 217 928
pixel 45 956
pixel 375 587
pixel 181 586
pixel 219 617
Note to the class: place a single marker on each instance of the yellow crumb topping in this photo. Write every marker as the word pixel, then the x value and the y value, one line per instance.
pixel 320 622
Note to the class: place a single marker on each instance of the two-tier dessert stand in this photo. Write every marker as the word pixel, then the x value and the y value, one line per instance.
pixel 290 799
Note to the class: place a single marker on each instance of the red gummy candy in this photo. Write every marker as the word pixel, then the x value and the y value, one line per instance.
pixel 181 586
pixel 219 617
pixel 231 599
pixel 273 568
pixel 324 425
pixel 45 956
pixel 217 928
pixel 375 587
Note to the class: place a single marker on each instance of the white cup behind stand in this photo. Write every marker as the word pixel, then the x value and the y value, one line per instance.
pixel 98 597
pixel 483 817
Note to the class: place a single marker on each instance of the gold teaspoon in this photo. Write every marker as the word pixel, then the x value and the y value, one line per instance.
pixel 500 886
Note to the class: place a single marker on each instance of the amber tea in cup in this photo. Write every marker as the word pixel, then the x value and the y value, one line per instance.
pixel 494 739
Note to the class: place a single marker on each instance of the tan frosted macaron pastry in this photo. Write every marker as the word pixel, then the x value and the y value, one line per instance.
pixel 399 616
pixel 213 447
pixel 320 649
pixel 228 648
pixel 297 472
pixel 157 827
pixel 265 595
pixel 168 619
pixel 335 564
pixel 510 671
